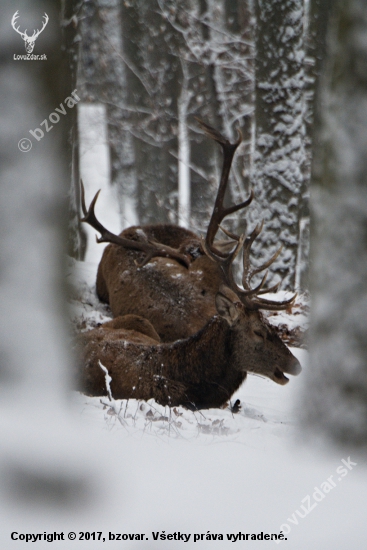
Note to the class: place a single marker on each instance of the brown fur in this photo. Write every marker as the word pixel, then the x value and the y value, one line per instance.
pixel 133 323
pixel 177 301
pixel 201 371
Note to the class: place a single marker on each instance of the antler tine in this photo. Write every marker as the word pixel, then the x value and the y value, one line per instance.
pixel 226 262
pixel 236 207
pixel 229 258
pixel 217 136
pixel 89 214
pixel 273 288
pixel 151 249
pixel 229 234
pixel 257 290
pixel 262 303
pixel 246 276
pixel 219 212
pixel 266 264
pixel 82 198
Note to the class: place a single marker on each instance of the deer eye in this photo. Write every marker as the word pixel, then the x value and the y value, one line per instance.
pixel 259 334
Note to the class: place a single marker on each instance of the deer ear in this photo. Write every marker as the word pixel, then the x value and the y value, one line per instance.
pixel 226 308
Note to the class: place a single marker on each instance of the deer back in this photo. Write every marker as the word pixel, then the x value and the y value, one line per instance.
pixel 177 300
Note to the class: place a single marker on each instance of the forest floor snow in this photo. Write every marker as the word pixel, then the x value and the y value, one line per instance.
pixel 215 472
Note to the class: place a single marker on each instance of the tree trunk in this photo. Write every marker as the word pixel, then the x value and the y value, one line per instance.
pixel 336 400
pixel 38 440
pixel 183 145
pixel 280 133
pixel 102 79
pixel 121 142
pixel 70 25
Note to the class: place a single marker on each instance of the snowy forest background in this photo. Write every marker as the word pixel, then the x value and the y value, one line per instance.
pixel 153 66
pixel 292 76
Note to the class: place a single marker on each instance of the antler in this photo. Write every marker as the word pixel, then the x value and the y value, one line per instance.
pixel 219 212
pixel 13 21
pixel 249 296
pixel 247 274
pixel 150 248
pixel 38 32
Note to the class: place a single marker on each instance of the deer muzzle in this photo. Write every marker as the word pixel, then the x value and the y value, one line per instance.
pixel 293 368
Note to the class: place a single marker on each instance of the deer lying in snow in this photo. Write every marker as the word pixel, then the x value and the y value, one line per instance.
pixel 184 332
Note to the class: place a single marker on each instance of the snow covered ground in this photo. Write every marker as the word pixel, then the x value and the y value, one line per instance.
pixel 212 474
pixel 215 472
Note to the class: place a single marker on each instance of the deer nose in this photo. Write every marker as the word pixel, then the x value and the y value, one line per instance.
pixel 294 367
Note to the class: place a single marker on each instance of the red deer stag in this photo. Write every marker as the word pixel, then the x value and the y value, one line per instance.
pixel 185 333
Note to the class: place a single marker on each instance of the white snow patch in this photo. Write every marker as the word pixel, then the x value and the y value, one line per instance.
pixel 95 173
pixel 218 472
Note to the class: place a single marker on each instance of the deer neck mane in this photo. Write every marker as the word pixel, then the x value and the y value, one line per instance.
pixel 216 330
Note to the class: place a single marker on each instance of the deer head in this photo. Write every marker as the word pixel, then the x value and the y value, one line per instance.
pixel 29 41
pixel 257 348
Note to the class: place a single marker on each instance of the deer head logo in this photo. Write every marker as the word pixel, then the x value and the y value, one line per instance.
pixel 29 41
